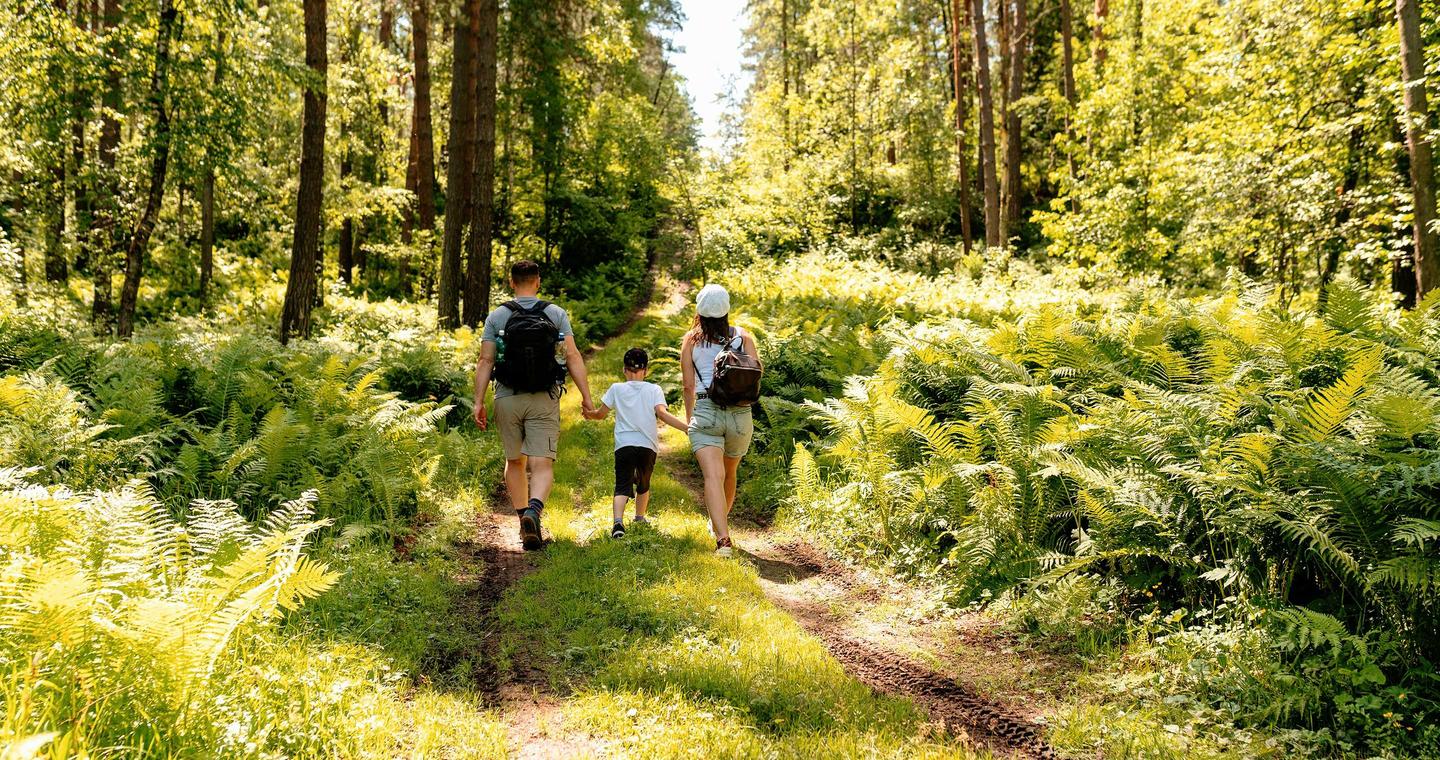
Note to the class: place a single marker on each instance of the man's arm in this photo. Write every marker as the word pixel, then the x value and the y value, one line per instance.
pixel 576 364
pixel 669 419
pixel 484 367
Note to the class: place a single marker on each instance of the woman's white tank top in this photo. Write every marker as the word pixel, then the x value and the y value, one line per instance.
pixel 704 353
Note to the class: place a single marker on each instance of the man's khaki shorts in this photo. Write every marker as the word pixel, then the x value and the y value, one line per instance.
pixel 529 424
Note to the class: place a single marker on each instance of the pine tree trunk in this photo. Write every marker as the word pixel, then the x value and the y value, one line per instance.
pixel 423 153
pixel 482 223
pixel 460 172
pixel 1422 168
pixel 159 164
pixel 960 81
pixel 987 125
pixel 304 252
pixel 1018 38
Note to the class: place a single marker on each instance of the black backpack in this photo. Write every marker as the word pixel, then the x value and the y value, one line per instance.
pixel 528 363
pixel 736 381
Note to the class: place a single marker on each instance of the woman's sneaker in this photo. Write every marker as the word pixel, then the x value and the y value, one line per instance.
pixel 723 548
pixel 618 529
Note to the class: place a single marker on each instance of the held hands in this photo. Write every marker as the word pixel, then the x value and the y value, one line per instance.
pixel 589 412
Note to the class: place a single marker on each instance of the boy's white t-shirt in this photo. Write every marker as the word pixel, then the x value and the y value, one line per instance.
pixel 634 402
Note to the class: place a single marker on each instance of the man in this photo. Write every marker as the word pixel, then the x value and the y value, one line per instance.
pixel 519 348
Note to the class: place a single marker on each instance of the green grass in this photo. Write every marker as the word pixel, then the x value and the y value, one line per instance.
pixel 664 649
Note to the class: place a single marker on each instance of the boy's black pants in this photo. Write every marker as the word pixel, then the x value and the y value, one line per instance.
pixel 633 467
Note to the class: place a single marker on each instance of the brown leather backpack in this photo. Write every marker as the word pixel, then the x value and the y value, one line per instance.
pixel 736 381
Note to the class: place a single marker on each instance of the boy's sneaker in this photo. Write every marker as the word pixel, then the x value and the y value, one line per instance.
pixel 618 529
pixel 723 548
pixel 530 529
pixel 640 520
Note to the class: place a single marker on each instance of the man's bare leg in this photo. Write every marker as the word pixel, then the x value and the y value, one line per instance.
pixel 516 484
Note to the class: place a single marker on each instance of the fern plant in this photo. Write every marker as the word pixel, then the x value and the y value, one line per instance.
pixel 111 611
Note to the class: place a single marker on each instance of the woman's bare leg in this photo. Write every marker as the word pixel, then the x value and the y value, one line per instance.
pixel 732 465
pixel 712 466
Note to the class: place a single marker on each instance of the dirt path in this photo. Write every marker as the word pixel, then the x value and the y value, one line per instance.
pixel 510 681
pixel 971 679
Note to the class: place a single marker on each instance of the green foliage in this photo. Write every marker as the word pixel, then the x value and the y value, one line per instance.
pixel 1101 451
pixel 107 598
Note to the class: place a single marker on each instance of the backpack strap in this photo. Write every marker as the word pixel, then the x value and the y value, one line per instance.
pixel 735 335
pixel 514 305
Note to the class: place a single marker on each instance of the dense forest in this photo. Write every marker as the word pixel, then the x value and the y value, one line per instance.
pixel 1100 413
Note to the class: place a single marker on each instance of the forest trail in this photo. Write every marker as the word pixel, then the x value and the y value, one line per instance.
pixel 975 690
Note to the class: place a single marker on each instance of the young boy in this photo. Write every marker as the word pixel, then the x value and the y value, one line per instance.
pixel 637 438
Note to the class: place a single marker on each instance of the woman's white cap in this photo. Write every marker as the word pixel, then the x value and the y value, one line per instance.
pixel 712 301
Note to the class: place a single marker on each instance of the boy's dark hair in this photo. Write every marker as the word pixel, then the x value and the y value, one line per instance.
pixel 524 272
pixel 636 358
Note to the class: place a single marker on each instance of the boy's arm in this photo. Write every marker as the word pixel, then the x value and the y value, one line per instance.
pixel 669 419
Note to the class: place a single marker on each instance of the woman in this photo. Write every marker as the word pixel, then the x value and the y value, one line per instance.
pixel 719 436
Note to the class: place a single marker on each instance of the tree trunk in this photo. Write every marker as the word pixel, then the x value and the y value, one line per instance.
pixel 423 153
pixel 1422 169
pixel 1067 50
pixel 56 269
pixel 785 82
pixel 987 125
pixel 109 204
pixel 1102 14
pixel 460 172
pixel 1018 39
pixel 854 54
pixel 960 80
pixel 159 163
pixel 82 107
pixel 207 193
pixel 345 258
pixel 482 222
pixel 304 252
pixel 1351 180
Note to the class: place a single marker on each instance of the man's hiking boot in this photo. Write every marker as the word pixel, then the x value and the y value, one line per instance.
pixel 530 529
pixel 618 529
pixel 723 548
